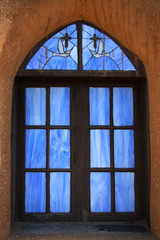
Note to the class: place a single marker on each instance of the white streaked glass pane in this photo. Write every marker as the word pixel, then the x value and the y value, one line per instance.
pixel 35 106
pixel 60 148
pixel 99 106
pixel 100 148
pixel 124 148
pixel 59 106
pixel 35 148
pixel 100 192
pixel 60 192
pixel 124 192
pixel 123 106
pixel 35 192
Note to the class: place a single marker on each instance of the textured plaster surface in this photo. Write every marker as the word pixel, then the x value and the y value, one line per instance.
pixel 23 23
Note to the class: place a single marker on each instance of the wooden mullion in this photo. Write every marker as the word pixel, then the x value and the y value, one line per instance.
pixel 47 127
pixel 47 170
pixel 35 170
pixel 112 127
pixel 112 170
pixel 112 153
pixel 113 192
pixel 86 148
pixel 21 153
pixel 47 149
pixel 23 141
pixel 79 33
pixel 80 184
pixel 128 75
pixel 71 148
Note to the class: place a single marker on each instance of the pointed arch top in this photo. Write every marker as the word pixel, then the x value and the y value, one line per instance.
pixel 81 46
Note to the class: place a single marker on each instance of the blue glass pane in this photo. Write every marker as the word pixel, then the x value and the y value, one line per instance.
pixel 104 63
pixel 99 52
pixel 123 106
pixel 100 148
pixel 59 148
pixel 60 192
pixel 87 55
pixel 124 148
pixel 35 192
pixel 88 31
pixel 35 148
pixel 124 192
pixel 99 106
pixel 60 106
pixel 58 52
pixel 35 106
pixel 100 192
pixel 72 31
pixel 110 45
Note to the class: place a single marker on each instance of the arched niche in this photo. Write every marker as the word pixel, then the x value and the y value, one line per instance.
pixel 124 68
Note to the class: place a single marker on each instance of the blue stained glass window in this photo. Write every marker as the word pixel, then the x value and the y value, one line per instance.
pixel 100 192
pixel 124 192
pixel 60 192
pixel 99 52
pixel 58 52
pixel 35 148
pixel 35 106
pixel 60 106
pixel 99 106
pixel 60 148
pixel 122 106
pixel 35 192
pixel 102 53
pixel 124 148
pixel 100 148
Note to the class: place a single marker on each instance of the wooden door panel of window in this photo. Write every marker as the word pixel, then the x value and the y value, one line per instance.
pixel 79 159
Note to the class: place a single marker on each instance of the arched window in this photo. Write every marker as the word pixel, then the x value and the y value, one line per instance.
pixel 81 46
pixel 80 129
pixel 65 50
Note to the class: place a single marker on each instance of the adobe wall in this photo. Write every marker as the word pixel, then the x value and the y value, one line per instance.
pixel 135 23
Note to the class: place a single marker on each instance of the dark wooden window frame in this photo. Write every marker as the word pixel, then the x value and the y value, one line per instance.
pixel 136 79
pixel 79 202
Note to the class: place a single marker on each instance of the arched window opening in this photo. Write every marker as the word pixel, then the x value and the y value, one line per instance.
pixel 80 136
pixel 80 46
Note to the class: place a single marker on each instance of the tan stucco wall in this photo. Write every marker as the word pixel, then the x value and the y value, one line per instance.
pixel 135 23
